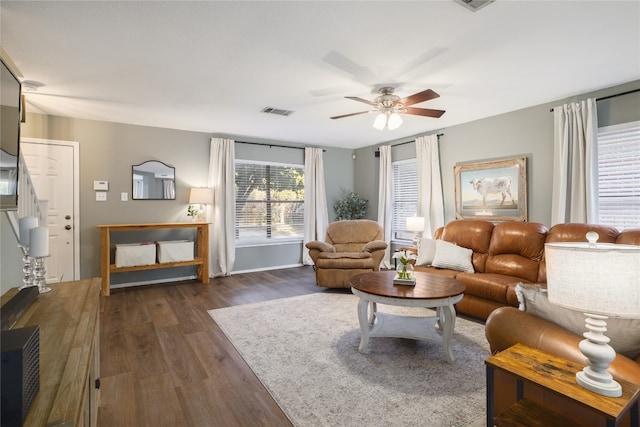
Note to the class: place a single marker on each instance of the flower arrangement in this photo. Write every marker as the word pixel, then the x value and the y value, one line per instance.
pixel 404 257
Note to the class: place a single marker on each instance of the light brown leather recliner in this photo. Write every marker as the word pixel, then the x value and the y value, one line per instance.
pixel 351 247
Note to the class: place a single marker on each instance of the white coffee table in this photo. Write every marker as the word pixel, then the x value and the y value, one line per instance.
pixel 430 291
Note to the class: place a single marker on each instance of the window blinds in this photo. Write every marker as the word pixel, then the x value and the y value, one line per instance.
pixel 269 201
pixel 619 175
pixel 405 197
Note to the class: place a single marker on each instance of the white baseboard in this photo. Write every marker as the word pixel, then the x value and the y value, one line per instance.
pixel 278 267
pixel 153 282
pixel 178 279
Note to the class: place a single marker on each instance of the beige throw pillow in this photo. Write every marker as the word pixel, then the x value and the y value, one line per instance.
pixel 426 251
pixel 623 333
pixel 453 257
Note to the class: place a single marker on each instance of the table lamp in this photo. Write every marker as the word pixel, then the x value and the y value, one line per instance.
pixel 200 196
pixel 415 224
pixel 601 280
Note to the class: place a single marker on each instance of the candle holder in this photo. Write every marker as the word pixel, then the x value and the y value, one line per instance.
pixel 27 270
pixel 40 273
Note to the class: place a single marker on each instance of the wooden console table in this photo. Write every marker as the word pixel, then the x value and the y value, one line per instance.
pixel 527 387
pixel 69 321
pixel 201 260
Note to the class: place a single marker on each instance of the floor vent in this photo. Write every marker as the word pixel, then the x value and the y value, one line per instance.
pixel 278 111
pixel 474 4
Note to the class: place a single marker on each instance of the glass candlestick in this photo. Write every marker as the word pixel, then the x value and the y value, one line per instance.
pixel 27 269
pixel 40 273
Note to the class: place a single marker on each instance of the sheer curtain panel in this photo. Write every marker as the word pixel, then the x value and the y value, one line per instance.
pixel 222 232
pixel 168 189
pixel 385 197
pixel 316 216
pixel 430 198
pixel 575 163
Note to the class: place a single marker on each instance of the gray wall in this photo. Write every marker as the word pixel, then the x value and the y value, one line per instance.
pixel 527 132
pixel 107 151
pixel 11 259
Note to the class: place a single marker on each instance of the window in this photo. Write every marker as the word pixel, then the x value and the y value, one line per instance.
pixel 619 175
pixel 269 202
pixel 405 197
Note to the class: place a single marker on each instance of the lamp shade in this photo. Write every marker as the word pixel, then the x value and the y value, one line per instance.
pixel 380 122
pixel 594 278
pixel 202 196
pixel 394 121
pixel 415 223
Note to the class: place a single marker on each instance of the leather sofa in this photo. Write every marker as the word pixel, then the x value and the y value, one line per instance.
pixel 351 247
pixel 507 326
pixel 508 253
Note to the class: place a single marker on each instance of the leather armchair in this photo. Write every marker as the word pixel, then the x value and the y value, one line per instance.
pixel 351 247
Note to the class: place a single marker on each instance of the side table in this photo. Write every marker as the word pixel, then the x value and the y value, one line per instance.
pixel 528 387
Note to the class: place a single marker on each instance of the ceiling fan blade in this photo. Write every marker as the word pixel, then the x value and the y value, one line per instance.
pixel 348 115
pixel 355 98
pixel 416 98
pixel 424 112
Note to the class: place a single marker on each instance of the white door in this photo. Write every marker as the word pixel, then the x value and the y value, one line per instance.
pixel 53 169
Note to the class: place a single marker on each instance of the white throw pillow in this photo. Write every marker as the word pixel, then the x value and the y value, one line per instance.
pixel 453 257
pixel 426 251
pixel 623 333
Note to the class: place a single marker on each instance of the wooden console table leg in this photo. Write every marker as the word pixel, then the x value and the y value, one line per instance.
pixel 105 260
pixel 203 253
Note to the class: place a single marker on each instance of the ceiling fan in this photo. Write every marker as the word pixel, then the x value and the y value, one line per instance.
pixel 389 106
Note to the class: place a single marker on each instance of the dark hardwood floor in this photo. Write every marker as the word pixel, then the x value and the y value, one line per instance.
pixel 164 362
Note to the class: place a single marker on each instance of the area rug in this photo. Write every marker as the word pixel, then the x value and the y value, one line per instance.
pixel 305 351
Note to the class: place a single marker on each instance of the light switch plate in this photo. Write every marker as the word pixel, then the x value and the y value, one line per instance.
pixel 101 185
pixel 124 197
pixel 101 196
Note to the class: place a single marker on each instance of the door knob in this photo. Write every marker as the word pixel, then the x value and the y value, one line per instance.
pixel 67 227
pixel 67 217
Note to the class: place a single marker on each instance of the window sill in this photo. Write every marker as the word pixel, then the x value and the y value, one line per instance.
pixel 268 243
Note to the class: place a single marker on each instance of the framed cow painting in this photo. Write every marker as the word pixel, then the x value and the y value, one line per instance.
pixel 492 190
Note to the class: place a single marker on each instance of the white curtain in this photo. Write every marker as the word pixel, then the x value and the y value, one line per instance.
pixel 316 216
pixel 168 189
pixel 430 198
pixel 575 163
pixel 385 189
pixel 222 232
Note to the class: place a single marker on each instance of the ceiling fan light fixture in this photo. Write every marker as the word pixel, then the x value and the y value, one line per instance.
pixel 380 122
pixel 394 121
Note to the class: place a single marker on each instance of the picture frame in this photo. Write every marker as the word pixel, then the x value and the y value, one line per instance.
pixel 494 190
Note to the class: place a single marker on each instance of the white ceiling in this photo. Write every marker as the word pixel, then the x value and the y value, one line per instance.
pixel 211 66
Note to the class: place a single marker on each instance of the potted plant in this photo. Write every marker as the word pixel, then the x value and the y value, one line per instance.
pixel 352 206
pixel 192 212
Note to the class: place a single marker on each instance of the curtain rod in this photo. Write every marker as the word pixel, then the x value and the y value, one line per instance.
pixel 611 96
pixel 413 140
pixel 272 145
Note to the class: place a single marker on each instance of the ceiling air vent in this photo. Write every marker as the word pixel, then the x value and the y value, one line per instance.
pixel 474 4
pixel 278 111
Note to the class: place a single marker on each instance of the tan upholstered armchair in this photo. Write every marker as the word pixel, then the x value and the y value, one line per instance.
pixel 350 247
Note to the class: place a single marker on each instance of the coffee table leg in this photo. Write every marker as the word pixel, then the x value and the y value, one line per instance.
pixel 373 309
pixel 363 305
pixel 446 323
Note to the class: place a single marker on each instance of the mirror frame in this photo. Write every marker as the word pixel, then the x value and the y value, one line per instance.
pixel 154 166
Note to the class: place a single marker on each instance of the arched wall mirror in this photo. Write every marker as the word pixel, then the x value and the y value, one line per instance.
pixel 153 180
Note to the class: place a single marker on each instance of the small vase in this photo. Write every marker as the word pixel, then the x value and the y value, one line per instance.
pixel 405 271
